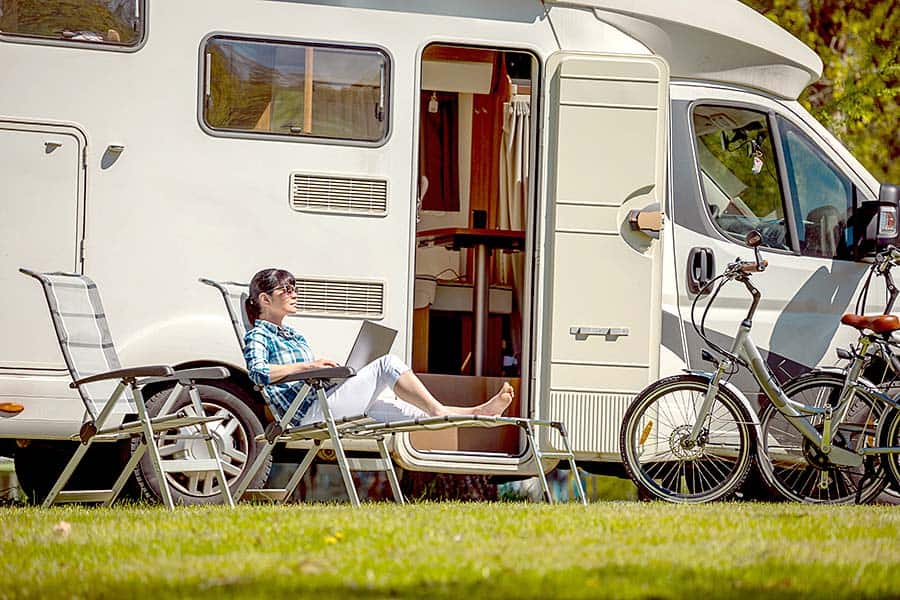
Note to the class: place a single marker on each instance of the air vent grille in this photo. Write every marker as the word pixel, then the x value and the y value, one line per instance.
pixel 593 419
pixel 341 298
pixel 342 195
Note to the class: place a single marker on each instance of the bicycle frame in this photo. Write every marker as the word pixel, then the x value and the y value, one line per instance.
pixel 744 348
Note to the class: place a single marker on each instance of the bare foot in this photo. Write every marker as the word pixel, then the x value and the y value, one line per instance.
pixel 499 403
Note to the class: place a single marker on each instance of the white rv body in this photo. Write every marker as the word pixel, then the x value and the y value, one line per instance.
pixel 110 169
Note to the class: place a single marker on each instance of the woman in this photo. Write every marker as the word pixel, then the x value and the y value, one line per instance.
pixel 274 351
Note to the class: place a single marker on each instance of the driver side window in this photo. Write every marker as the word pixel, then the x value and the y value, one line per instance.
pixel 739 173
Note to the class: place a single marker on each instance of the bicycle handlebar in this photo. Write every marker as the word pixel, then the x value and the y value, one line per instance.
pixel 745 267
pixel 887 259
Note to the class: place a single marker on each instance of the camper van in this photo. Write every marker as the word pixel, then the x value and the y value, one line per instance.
pixel 531 191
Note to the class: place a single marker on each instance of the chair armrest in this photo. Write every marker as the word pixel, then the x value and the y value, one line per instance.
pixel 327 373
pixel 186 375
pixel 132 372
pixel 202 373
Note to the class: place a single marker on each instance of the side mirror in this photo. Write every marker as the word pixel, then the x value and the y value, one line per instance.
pixel 754 238
pixel 875 222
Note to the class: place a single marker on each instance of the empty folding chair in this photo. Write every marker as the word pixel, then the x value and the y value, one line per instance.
pixel 281 430
pixel 108 390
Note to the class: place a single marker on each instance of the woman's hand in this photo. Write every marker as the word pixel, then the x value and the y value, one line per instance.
pixel 322 363
pixel 279 372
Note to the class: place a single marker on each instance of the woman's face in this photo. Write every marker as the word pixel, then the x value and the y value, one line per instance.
pixel 279 302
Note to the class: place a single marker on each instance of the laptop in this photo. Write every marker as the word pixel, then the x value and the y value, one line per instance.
pixel 373 341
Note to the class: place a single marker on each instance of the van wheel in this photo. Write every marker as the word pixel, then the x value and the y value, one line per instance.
pixel 234 436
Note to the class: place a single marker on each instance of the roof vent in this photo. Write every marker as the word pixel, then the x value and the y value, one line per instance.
pixel 340 195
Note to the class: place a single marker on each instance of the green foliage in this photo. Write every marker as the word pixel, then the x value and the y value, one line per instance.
pixel 856 98
pixel 452 551
pixel 50 18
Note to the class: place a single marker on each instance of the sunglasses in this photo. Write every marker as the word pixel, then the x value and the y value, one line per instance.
pixel 289 288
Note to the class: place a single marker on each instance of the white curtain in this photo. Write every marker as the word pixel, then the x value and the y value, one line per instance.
pixel 514 152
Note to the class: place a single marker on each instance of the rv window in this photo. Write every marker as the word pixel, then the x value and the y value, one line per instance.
pixel 286 89
pixel 739 174
pixel 822 196
pixel 102 22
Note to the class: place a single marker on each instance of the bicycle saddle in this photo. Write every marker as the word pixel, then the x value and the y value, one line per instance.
pixel 878 323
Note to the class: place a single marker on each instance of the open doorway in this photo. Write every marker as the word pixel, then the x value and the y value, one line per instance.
pixel 471 301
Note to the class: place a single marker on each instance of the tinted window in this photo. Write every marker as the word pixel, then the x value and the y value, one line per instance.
pixel 299 90
pixel 823 197
pixel 739 173
pixel 102 22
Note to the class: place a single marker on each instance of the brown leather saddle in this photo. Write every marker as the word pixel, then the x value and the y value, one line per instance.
pixel 876 324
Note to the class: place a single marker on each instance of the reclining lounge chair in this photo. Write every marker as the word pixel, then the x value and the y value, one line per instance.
pixel 108 390
pixel 362 427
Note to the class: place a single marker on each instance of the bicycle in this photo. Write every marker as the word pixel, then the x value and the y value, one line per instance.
pixel 693 437
pixel 824 387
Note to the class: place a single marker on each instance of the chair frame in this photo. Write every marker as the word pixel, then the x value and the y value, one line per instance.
pixel 146 428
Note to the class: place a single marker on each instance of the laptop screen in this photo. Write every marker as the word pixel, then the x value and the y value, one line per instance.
pixel 373 341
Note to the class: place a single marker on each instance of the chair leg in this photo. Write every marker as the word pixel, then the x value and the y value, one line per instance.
pixel 579 485
pixel 536 452
pixel 64 477
pixel 338 448
pixel 150 441
pixel 250 474
pixel 211 446
pixel 391 472
pixel 126 473
pixel 301 470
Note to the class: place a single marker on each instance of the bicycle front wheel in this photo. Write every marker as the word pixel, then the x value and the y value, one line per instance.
pixel 663 460
pixel 795 469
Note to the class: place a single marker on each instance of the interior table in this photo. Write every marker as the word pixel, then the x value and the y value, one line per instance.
pixel 483 242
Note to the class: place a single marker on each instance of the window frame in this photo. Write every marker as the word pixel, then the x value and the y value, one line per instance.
pixel 786 198
pixel 203 82
pixel 35 40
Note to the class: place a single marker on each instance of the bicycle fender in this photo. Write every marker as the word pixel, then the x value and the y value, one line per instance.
pixel 750 413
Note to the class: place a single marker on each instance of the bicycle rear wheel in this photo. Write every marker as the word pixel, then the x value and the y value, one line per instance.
pixel 661 459
pixel 798 471
pixel 890 437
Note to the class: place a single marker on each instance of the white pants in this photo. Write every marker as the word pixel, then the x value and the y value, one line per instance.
pixel 359 395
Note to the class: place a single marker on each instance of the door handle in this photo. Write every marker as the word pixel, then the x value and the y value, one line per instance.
pixel 701 266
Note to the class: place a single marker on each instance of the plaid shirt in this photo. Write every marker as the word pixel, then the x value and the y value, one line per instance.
pixel 267 344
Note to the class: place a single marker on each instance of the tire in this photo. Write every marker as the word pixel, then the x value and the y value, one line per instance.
pixel 234 437
pixel 890 437
pixel 659 419
pixel 795 470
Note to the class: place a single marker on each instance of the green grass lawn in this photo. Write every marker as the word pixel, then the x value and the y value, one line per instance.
pixel 449 550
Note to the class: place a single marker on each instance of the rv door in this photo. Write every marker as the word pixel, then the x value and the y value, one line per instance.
pixel 606 134
pixel 43 175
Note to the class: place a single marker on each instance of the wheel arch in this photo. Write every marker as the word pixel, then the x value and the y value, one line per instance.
pixel 236 375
